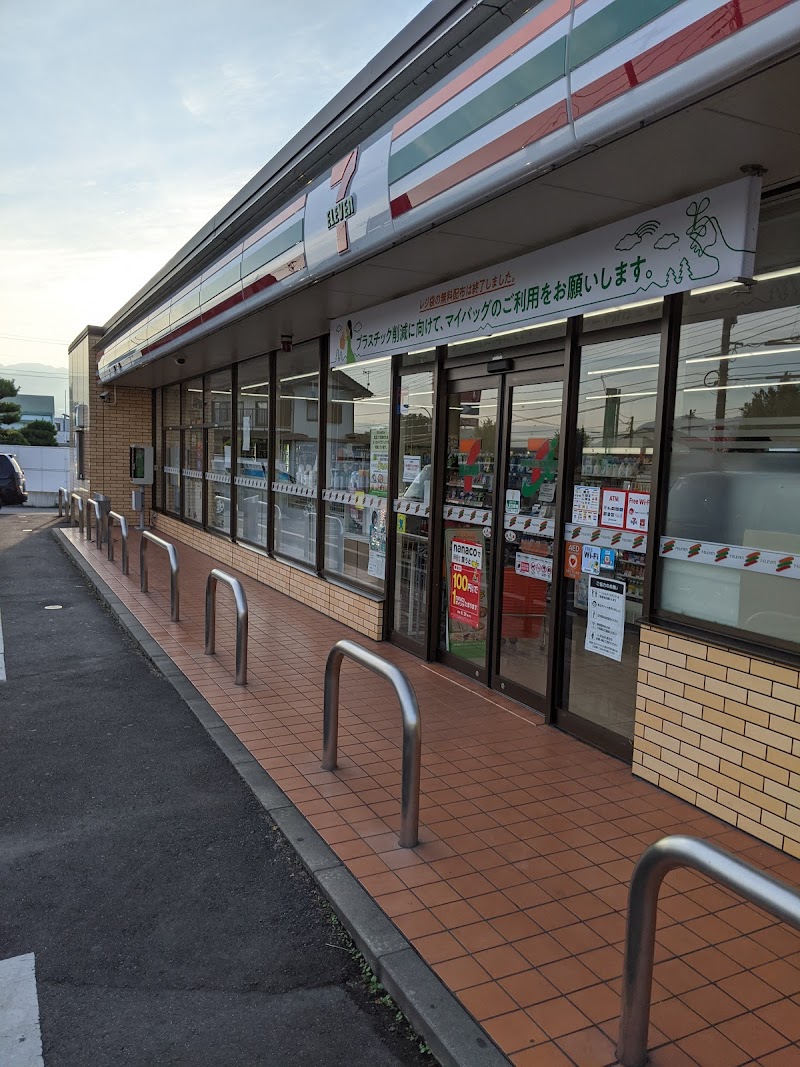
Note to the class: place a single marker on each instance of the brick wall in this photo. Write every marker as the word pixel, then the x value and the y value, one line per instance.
pixel 721 730
pixel 124 418
pixel 359 612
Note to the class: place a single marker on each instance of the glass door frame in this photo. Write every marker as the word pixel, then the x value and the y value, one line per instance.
pixel 553 364
pixel 667 327
pixel 452 385
pixel 427 649
pixel 551 371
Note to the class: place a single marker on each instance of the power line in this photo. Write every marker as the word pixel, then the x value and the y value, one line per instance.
pixel 37 340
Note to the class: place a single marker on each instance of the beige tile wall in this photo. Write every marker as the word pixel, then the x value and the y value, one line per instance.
pixel 358 612
pixel 721 730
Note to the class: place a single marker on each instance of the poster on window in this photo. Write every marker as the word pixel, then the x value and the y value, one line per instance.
pixel 605 626
pixel 637 512
pixel 612 510
pixel 379 460
pixel 376 561
pixel 586 505
pixel 412 465
pixel 466 564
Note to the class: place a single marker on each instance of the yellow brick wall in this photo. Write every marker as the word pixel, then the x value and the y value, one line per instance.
pixel 358 612
pixel 124 419
pixel 721 730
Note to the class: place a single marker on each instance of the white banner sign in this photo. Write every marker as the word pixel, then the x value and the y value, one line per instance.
pixel 736 557
pixel 701 240
pixel 605 627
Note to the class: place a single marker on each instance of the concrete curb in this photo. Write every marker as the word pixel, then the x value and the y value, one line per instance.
pixel 449 1030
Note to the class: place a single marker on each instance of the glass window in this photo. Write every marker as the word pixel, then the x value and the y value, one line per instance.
pixel 218 471
pixel 358 471
pixel 297 453
pixel 192 468
pixel 171 405
pixel 252 454
pixel 730 553
pixel 606 531
pixel 415 464
pixel 158 449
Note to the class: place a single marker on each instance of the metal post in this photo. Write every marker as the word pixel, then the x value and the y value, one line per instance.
pixel 123 530
pixel 658 860
pixel 87 520
pixel 73 498
pixel 174 591
pixel 98 524
pixel 412 728
pixel 63 501
pixel 242 619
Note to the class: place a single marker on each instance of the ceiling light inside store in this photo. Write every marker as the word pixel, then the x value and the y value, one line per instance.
pixel 508 333
pixel 770 275
pixel 744 355
pixel 620 370
pixel 718 288
pixel 616 396
pixel 413 352
pixel 623 307
pixel 362 363
pixel 776 382
pixel 297 377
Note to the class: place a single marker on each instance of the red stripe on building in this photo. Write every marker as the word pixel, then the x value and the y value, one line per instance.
pixel 557 10
pixel 550 120
pixel 699 36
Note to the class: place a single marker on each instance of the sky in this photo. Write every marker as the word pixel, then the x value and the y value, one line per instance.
pixel 131 124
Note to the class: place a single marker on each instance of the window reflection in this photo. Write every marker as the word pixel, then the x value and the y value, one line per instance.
pixel 607 528
pixel 357 481
pixel 297 453
pixel 218 408
pixel 252 463
pixel 732 532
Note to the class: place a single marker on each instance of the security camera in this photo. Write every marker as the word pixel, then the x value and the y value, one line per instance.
pixel 105 396
pixel 180 360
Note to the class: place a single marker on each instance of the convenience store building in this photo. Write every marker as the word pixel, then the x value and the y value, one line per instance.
pixel 499 360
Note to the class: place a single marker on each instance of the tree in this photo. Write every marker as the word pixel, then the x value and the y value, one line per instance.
pixel 39 432
pixel 12 437
pixel 9 412
pixel 774 402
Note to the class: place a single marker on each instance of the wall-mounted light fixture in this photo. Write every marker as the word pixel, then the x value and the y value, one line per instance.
pixel 286 342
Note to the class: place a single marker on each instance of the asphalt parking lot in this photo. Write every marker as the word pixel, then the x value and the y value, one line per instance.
pixel 169 920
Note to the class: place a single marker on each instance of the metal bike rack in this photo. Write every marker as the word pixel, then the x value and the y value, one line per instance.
pixel 123 531
pixel 412 728
pixel 174 592
pixel 242 619
pixel 659 859
pixel 98 523
pixel 73 499
pixel 63 500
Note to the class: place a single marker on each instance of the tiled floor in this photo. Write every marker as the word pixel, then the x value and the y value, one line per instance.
pixel 516 895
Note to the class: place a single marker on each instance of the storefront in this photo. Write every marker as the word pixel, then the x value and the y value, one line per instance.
pixel 570 473
pixel 522 502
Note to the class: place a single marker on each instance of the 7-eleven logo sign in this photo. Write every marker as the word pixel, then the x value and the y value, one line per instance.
pixel 345 206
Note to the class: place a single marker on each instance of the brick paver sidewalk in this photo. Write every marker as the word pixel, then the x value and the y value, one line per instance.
pixel 516 895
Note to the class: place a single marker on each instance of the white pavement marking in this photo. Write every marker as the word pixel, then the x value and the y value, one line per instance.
pixel 20 1036
pixel 2 653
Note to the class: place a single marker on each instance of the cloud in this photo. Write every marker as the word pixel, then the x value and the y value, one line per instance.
pixel 629 241
pixel 666 240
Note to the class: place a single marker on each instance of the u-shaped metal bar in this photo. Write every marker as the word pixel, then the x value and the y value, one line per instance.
pixel 123 531
pixel 412 728
pixel 242 619
pixel 658 860
pixel 174 591
pixel 76 498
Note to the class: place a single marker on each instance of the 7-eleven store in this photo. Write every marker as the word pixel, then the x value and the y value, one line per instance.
pixel 513 380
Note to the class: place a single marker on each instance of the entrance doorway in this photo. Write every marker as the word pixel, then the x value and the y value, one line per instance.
pixel 498 530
